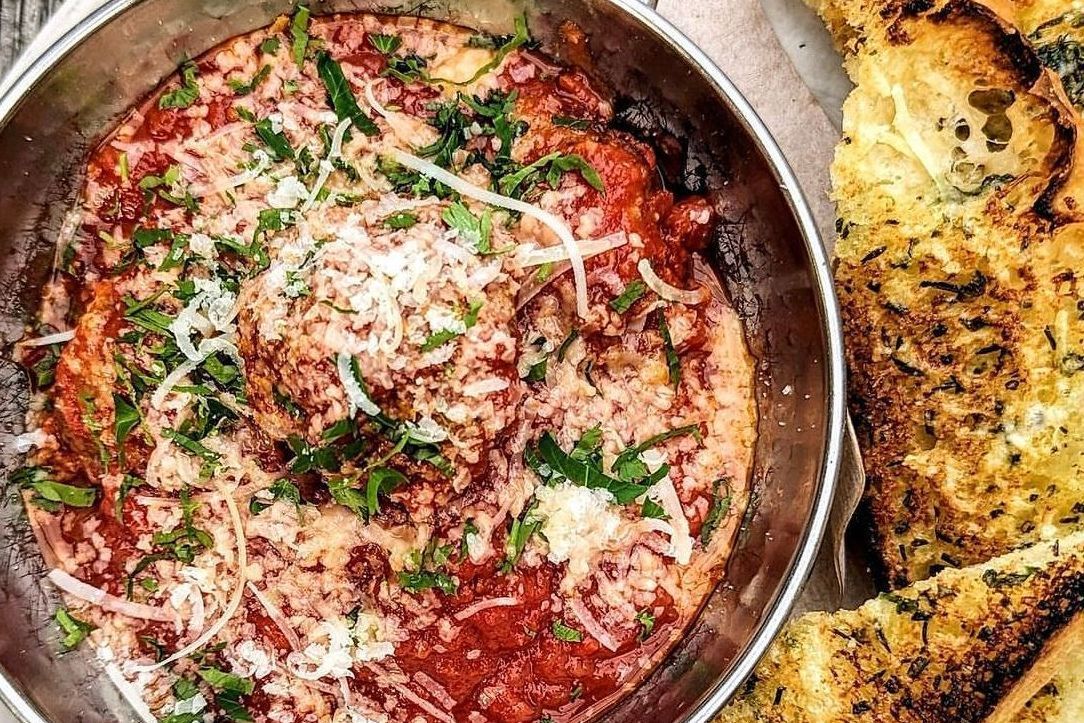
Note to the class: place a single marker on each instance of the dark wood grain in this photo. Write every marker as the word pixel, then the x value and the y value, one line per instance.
pixel 20 20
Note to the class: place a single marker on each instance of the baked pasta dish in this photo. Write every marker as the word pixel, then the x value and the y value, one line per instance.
pixel 381 379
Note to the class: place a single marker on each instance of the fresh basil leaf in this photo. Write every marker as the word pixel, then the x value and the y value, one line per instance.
pixel 126 418
pixel 299 31
pixel 75 630
pixel 276 142
pixel 385 44
pixel 382 481
pixel 270 46
pixel 341 96
pixel 563 632
pixel 633 292
pixel 673 361
pixel 187 93
pixel 401 220
pixel 717 512
pixel 240 87
pixel 223 681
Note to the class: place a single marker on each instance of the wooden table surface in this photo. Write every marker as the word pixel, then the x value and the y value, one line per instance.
pixel 20 20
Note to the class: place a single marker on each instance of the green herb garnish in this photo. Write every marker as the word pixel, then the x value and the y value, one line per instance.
pixel 476 231
pixel 277 142
pixel 563 632
pixel 401 220
pixel 241 87
pixel 673 361
pixel 185 95
pixel 633 292
pixel 341 96
pixel 385 44
pixel 74 630
pixel 382 481
pixel 299 32
pixel 281 489
pixel 647 624
pixel 49 494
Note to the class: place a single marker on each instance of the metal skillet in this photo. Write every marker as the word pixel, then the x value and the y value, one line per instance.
pixel 767 255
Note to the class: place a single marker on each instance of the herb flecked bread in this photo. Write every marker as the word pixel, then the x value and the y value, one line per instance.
pixel 957 272
pixel 959 255
pixel 945 649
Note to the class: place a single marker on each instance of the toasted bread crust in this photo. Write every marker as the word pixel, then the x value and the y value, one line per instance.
pixel 945 649
pixel 954 183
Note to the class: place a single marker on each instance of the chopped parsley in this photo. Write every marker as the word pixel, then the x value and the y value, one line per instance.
pixel 228 691
pixel 563 349
pixel 182 543
pixel 129 483
pixel 275 141
pixel 73 629
pixel 521 530
pixel 341 97
pixel 521 37
pixel 270 46
pixel 576 124
pixel 549 168
pixel 438 339
pixel 565 633
pixel 629 477
pixel 441 337
pixel 633 292
pixel 187 93
pixel 343 492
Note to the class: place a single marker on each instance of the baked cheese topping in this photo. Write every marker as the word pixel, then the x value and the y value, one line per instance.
pixel 376 384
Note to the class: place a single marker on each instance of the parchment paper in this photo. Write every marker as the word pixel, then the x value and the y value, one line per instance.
pixel 779 56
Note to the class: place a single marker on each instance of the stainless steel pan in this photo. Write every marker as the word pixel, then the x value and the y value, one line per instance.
pixel 768 255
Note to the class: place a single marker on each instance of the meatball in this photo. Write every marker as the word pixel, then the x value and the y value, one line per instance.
pixel 382 306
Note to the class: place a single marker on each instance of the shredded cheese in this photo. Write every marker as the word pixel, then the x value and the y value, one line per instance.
pixel 58 338
pixel 235 599
pixel 326 166
pixel 665 290
pixel 355 395
pixel 558 226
